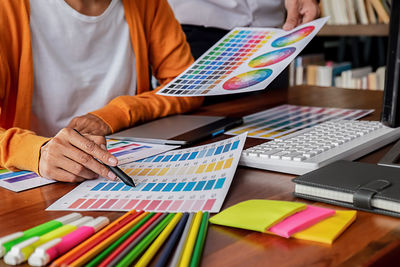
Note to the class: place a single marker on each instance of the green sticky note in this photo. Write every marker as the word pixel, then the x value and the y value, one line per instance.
pixel 257 214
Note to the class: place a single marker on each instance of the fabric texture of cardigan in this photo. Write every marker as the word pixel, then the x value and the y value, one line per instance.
pixel 157 42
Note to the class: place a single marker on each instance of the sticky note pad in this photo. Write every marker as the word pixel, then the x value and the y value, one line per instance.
pixel 257 214
pixel 301 220
pixel 329 229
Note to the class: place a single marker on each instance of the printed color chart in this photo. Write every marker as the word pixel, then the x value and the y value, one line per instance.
pixel 245 59
pixel 184 180
pixel 128 151
pixel 285 119
pixel 20 181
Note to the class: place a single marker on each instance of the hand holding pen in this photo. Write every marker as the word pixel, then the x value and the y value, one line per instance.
pixel 71 157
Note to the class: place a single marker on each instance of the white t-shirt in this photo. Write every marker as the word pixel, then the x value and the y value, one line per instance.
pixel 80 62
pixel 227 14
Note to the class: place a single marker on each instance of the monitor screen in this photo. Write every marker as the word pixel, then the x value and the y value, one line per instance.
pixel 391 98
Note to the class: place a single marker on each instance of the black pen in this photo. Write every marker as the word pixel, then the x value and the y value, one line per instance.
pixel 117 171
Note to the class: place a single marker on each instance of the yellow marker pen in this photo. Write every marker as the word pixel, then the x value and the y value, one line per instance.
pixel 21 252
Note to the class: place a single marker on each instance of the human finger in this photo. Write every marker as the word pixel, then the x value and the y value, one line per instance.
pixel 89 147
pixel 309 11
pixel 50 171
pixel 87 161
pixel 76 168
pixel 292 19
pixel 99 140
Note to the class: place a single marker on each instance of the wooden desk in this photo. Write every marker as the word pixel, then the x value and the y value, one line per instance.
pixel 372 239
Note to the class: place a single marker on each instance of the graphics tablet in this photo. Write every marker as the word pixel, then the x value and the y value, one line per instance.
pixel 178 129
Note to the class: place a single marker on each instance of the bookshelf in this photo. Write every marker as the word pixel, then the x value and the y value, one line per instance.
pixel 355 30
pixel 350 51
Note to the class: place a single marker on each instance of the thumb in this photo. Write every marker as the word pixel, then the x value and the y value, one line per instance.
pixel 292 18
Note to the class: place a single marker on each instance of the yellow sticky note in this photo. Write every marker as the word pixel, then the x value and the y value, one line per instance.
pixel 329 229
pixel 256 214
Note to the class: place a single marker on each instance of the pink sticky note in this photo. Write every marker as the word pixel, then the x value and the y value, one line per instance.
pixel 301 220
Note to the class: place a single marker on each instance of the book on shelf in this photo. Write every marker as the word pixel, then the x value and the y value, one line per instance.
pixel 314 70
pixel 351 12
pixel 298 66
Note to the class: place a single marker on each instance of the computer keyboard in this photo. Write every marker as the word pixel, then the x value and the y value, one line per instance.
pixel 317 146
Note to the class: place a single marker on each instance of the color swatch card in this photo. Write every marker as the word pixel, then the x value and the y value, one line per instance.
pixel 285 119
pixel 20 181
pixel 192 179
pixel 244 60
pixel 128 151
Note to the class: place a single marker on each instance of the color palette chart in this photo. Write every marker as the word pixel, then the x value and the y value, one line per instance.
pixel 285 119
pixel 128 151
pixel 22 180
pixel 244 60
pixel 193 179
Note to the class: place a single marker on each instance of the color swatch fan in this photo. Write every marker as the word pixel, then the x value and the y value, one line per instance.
pixel 192 179
pixel 244 60
pixel 285 119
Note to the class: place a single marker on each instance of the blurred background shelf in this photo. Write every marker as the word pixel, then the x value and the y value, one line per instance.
pixel 355 30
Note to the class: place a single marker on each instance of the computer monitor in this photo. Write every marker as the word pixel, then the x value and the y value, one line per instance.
pixel 391 98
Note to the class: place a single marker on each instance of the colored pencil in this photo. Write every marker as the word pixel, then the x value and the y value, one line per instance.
pixel 152 250
pixel 189 244
pixel 135 251
pixel 105 243
pixel 172 241
pixel 201 237
pixel 123 249
pixel 95 239
pixel 182 241
pixel 98 260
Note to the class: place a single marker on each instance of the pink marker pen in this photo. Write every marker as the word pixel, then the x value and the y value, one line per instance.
pixel 57 247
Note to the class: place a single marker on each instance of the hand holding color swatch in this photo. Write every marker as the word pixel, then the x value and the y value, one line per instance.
pixel 237 62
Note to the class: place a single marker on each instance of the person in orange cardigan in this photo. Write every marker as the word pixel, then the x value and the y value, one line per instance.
pixel 83 65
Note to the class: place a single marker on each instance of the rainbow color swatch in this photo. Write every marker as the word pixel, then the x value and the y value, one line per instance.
pixel 190 179
pixel 232 64
pixel 247 79
pixel 285 119
pixel 271 58
pixel 293 37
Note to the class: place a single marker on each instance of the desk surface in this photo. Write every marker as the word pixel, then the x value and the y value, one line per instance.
pixel 372 239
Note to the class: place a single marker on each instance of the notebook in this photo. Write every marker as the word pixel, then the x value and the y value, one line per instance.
pixel 357 185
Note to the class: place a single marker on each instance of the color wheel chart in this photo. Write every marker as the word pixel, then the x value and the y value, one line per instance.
pixel 128 151
pixel 285 119
pixel 244 60
pixel 184 180
pixel 22 180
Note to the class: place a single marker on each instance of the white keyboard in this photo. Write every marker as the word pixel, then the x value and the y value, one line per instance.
pixel 317 146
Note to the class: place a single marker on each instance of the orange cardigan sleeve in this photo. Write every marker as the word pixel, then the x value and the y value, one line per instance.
pixel 19 148
pixel 169 55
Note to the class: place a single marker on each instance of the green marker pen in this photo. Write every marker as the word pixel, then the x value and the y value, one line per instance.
pixel 21 252
pixel 7 242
